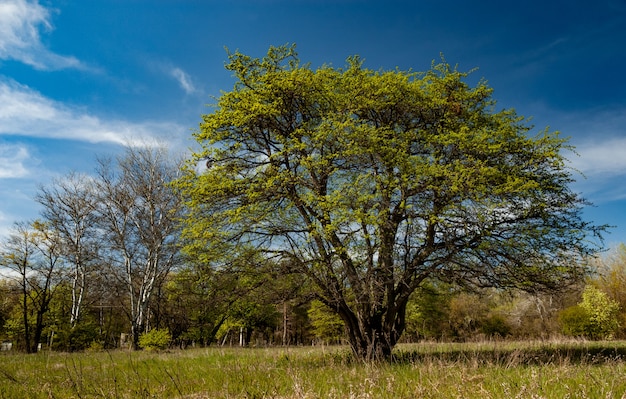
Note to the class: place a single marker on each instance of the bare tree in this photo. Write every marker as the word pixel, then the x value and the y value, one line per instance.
pixel 138 215
pixel 69 206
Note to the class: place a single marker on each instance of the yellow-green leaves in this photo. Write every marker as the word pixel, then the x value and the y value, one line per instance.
pixel 343 152
pixel 379 179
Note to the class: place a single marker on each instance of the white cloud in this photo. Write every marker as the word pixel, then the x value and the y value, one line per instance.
pixel 599 137
pixel 602 162
pixel 601 158
pixel 20 23
pixel 603 167
pixel 13 159
pixel 26 112
pixel 183 80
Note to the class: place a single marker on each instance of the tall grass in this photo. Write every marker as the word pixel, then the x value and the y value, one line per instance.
pixel 429 370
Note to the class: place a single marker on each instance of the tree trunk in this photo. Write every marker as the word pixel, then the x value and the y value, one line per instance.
pixel 27 333
pixel 285 322
pixel 373 337
pixel 78 291
pixel 38 331
pixel 371 343
pixel 135 333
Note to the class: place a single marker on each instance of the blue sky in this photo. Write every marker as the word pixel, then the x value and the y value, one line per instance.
pixel 80 79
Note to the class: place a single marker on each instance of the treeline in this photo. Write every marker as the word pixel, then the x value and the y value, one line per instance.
pixel 92 265
pixel 103 267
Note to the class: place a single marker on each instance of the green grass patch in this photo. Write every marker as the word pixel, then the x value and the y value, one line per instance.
pixel 428 370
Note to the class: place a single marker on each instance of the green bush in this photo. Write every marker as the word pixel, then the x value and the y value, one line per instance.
pixel 603 313
pixel 157 339
pixel 574 321
pixel 95 346
pixel 595 317
pixel 77 339
pixel 495 326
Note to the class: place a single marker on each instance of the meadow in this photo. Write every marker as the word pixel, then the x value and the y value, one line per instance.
pixel 554 369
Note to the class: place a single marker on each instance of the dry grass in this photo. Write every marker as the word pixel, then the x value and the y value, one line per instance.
pixel 429 370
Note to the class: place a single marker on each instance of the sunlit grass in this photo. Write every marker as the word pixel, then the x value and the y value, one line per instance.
pixel 428 370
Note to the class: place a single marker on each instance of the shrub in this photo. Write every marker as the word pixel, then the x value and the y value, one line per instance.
pixel 603 313
pixel 574 321
pixel 595 317
pixel 95 346
pixel 77 339
pixel 495 326
pixel 157 339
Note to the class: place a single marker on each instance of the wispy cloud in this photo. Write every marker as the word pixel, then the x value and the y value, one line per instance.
pixel 599 137
pixel 26 112
pixel 13 159
pixel 183 80
pixel 20 24
pixel 606 158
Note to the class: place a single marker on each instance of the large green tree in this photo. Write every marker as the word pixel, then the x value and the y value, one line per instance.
pixel 371 182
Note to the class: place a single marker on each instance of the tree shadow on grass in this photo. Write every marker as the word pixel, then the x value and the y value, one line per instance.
pixel 593 354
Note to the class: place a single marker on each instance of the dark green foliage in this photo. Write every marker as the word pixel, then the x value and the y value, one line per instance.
pixel 79 338
pixel 574 321
pixel 495 326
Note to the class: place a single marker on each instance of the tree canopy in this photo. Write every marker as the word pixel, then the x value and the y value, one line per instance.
pixel 372 182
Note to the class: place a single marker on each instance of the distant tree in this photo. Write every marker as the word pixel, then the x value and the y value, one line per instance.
pixel 251 314
pixel 371 182
pixel 61 334
pixel 326 325
pixel 535 315
pixel 428 312
pixel 197 304
pixel 574 321
pixel 138 219
pixel 9 299
pixel 32 252
pixel 495 325
pixel 468 311
pixel 69 206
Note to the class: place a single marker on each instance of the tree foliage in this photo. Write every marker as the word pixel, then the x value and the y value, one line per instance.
pixel 602 312
pixel 33 254
pixel 610 278
pixel 325 323
pixel 428 312
pixel 155 340
pixel 370 182
pixel 595 317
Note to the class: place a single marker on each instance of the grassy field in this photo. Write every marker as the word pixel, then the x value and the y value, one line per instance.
pixel 429 370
